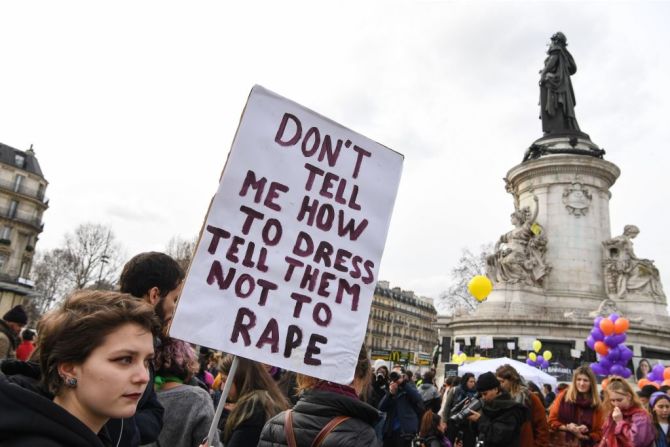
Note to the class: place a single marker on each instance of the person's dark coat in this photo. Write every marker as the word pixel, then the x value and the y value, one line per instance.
pixel 500 421
pixel 313 411
pixel 406 405
pixel 30 419
pixel 143 428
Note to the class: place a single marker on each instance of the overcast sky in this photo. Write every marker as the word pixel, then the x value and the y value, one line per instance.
pixel 132 107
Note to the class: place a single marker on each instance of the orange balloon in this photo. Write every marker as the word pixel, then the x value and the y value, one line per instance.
pixel 666 373
pixel 666 382
pixel 605 382
pixel 642 382
pixel 621 325
pixel 607 326
pixel 601 348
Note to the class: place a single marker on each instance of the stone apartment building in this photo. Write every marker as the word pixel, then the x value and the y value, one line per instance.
pixel 401 327
pixel 22 203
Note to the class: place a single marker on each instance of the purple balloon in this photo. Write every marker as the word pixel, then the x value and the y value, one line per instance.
pixel 596 322
pixel 652 377
pixel 605 363
pixel 590 342
pixel 617 370
pixel 626 373
pixel 626 353
pixel 597 334
pixel 658 371
pixel 597 369
pixel 530 362
pixel 614 354
pixel 619 338
pixel 614 317
pixel 610 340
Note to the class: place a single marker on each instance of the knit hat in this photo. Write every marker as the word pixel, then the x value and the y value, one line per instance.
pixel 656 396
pixel 378 363
pixel 487 381
pixel 16 315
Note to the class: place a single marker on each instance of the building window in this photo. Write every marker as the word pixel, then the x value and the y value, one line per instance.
pixel 3 259
pixel 18 180
pixel 11 213
pixel 6 233
pixel 20 160
pixel 25 268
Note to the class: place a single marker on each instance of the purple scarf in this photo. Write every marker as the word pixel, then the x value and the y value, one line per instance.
pixel 337 388
pixel 580 412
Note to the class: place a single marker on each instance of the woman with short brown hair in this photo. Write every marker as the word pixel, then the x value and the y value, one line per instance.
pixel 95 350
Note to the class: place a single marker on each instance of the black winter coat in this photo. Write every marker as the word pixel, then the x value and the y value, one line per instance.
pixel 500 421
pixel 313 411
pixel 29 419
pixel 143 428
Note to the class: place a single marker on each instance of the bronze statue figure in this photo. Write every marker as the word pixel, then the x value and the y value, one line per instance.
pixel 557 98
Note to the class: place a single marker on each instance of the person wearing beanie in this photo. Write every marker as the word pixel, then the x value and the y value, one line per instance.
pixel 10 328
pixel 499 421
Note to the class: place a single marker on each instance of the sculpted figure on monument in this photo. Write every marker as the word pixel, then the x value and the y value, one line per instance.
pixel 518 256
pixel 557 98
pixel 627 274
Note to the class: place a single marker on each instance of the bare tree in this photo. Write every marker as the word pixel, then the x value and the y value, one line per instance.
pixel 89 258
pixel 182 250
pixel 94 256
pixel 456 299
pixel 50 272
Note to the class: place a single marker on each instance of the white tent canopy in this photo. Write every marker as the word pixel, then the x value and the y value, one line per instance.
pixel 527 372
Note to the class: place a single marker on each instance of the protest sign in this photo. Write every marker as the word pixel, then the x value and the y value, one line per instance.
pixel 287 260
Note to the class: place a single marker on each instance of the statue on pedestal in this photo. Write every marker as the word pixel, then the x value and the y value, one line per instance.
pixel 518 255
pixel 626 274
pixel 557 98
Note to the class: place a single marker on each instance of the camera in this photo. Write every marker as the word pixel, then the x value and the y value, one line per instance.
pixel 463 409
pixel 394 376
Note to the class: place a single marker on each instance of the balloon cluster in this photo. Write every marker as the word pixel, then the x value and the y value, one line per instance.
pixel 459 357
pixel 539 361
pixel 480 287
pixel 607 338
pixel 658 374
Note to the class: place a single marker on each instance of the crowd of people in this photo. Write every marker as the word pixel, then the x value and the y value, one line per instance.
pixel 100 370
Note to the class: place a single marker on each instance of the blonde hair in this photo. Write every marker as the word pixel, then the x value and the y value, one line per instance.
pixel 255 388
pixel 620 385
pixel 510 374
pixel 571 393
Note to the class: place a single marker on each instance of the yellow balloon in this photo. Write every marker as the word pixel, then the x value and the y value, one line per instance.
pixel 480 287
pixel 532 356
pixel 547 355
pixel 454 358
pixel 537 345
pixel 463 357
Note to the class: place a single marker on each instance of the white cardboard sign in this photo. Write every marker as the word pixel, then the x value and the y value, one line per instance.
pixel 287 260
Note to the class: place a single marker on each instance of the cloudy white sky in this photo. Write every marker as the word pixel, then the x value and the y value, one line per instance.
pixel 132 107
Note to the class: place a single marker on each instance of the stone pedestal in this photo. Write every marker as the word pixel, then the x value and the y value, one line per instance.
pixel 572 193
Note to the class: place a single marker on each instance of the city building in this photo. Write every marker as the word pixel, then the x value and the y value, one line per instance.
pixel 22 203
pixel 401 328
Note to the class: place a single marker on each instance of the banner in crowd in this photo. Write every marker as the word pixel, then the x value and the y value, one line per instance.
pixel 287 261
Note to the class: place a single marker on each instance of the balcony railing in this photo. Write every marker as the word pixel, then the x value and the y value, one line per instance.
pixel 4 277
pixel 22 189
pixel 18 216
